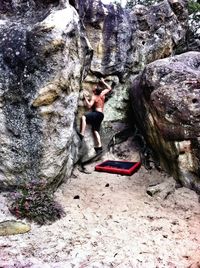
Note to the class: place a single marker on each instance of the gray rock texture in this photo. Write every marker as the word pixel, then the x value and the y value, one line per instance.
pixel 123 42
pixel 43 58
pixel 52 49
pixel 165 101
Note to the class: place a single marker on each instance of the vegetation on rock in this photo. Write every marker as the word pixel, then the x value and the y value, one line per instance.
pixel 35 203
pixel 193 6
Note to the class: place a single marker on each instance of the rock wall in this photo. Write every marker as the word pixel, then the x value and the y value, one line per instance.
pixel 123 42
pixel 165 100
pixel 52 49
pixel 43 59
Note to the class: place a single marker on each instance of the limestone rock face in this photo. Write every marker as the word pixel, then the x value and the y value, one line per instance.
pixel 43 59
pixel 166 105
pixel 124 41
pixel 48 48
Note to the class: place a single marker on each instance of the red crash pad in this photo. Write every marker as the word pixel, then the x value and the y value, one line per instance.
pixel 119 167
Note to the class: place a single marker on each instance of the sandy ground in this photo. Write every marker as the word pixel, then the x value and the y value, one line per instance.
pixel 114 223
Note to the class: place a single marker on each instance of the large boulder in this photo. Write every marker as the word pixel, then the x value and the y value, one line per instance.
pixel 166 107
pixel 43 58
pixel 123 42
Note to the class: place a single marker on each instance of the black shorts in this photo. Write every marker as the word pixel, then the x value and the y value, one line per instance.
pixel 94 119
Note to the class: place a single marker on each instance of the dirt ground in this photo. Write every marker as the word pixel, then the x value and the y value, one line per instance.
pixel 111 221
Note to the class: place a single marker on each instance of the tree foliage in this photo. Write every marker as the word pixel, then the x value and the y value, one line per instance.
pixel 193 7
pixel 194 25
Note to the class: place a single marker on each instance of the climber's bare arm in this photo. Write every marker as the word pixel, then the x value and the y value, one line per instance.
pixel 108 87
pixel 91 102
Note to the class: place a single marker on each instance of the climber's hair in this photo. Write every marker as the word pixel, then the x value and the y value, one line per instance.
pixel 98 90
